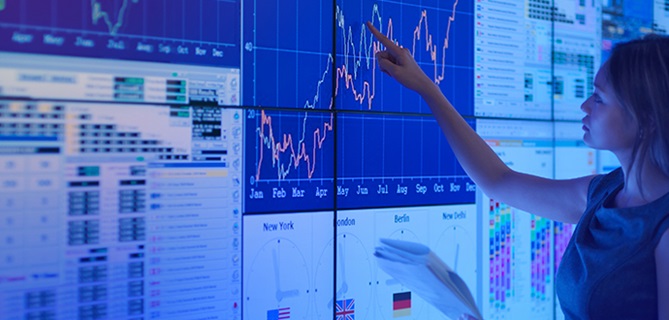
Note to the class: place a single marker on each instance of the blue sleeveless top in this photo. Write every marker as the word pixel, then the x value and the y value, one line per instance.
pixel 608 269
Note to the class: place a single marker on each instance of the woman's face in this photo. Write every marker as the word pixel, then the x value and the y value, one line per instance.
pixel 607 125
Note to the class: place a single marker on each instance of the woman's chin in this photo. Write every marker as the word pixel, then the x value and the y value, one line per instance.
pixel 586 140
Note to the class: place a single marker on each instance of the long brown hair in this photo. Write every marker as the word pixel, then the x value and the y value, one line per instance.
pixel 639 74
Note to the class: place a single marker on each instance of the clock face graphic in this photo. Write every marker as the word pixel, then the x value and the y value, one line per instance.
pixel 353 276
pixel 457 248
pixel 387 287
pixel 277 281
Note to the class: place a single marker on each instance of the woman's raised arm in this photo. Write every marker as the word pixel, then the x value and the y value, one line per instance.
pixel 561 200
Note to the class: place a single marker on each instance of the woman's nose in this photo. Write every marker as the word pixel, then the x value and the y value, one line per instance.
pixel 585 106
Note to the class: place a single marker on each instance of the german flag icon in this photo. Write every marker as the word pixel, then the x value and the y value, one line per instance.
pixel 402 304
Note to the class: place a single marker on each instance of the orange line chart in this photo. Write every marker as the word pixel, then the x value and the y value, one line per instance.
pixel 290 160
pixel 298 151
pixel 288 65
pixel 357 74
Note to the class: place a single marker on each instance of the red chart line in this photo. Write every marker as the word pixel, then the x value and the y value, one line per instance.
pixel 368 90
pixel 287 144
pixel 299 154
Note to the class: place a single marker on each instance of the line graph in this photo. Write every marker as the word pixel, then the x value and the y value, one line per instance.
pixel 99 13
pixel 427 33
pixel 200 32
pixel 287 145
pixel 287 52
pixel 366 95
pixel 392 160
pixel 289 162
pixel 288 63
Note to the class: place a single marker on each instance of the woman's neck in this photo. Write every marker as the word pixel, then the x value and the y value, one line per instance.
pixel 641 187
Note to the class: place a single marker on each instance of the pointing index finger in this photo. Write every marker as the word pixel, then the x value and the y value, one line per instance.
pixel 381 37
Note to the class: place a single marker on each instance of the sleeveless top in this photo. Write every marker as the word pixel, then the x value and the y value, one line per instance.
pixel 608 268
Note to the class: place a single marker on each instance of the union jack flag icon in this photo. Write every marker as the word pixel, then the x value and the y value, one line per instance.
pixel 345 309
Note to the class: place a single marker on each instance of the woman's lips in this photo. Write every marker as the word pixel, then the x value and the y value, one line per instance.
pixel 585 125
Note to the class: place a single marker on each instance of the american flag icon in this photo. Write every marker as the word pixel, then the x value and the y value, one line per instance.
pixel 278 314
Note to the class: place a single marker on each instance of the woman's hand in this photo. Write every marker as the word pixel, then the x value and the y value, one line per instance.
pixel 399 64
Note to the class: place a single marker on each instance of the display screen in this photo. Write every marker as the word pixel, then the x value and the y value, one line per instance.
pixel 241 159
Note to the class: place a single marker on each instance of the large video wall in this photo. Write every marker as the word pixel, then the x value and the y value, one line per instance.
pixel 241 159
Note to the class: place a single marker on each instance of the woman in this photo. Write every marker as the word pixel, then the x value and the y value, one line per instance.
pixel 616 265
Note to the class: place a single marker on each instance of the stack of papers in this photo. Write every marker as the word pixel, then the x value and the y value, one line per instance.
pixel 419 269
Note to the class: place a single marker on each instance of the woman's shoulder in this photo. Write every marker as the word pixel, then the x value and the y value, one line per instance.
pixel 604 184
